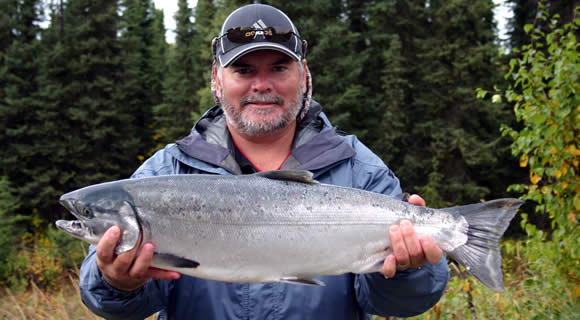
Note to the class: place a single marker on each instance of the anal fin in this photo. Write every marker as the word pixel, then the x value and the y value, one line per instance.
pixel 303 281
pixel 167 259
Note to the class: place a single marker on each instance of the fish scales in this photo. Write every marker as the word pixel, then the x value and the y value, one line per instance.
pixel 268 227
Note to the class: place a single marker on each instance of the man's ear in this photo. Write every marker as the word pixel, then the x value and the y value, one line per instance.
pixel 218 85
pixel 304 76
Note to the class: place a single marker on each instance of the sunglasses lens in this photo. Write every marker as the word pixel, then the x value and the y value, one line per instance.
pixel 241 35
pixel 247 34
pixel 278 34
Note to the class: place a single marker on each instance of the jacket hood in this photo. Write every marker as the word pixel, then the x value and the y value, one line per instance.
pixel 316 144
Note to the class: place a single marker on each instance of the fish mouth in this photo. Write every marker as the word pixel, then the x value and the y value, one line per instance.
pixel 75 228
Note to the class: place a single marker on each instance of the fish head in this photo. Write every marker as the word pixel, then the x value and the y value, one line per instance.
pixel 98 208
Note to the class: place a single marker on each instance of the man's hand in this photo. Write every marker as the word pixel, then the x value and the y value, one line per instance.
pixel 127 271
pixel 409 250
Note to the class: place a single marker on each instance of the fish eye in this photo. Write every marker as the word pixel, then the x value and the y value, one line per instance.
pixel 87 212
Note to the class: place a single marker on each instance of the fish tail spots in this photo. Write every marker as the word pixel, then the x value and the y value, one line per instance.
pixel 481 255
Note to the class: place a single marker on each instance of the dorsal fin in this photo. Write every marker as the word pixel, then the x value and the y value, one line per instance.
pixel 291 175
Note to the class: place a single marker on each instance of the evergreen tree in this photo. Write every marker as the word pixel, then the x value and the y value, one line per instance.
pixel 144 66
pixel 173 117
pixel 8 12
pixel 89 134
pixel 454 143
pixel 205 32
pixel 159 48
pixel 19 100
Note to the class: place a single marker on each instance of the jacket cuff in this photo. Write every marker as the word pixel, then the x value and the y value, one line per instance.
pixel 409 293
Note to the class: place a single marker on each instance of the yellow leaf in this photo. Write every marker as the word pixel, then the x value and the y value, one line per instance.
pixel 524 161
pixel 575 163
pixel 466 287
pixel 557 174
pixel 564 185
pixel 534 178
pixel 553 150
pixel 573 216
pixel 545 190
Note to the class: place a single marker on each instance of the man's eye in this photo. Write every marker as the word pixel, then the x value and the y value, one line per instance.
pixel 280 68
pixel 243 71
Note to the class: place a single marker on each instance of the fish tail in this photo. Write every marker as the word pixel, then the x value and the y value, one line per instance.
pixel 481 255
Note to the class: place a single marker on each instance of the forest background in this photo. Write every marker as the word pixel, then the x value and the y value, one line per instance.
pixel 88 95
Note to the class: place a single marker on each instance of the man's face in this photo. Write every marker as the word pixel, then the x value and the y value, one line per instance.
pixel 261 93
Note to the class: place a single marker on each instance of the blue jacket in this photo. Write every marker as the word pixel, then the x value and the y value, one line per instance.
pixel 334 159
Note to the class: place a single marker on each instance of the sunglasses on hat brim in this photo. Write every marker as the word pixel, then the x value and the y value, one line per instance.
pixel 247 34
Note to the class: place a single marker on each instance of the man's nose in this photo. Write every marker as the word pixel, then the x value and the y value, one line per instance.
pixel 262 82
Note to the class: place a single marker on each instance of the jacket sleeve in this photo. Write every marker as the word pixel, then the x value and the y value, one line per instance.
pixel 112 303
pixel 410 292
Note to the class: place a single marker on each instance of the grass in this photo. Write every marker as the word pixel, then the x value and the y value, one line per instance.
pixel 34 304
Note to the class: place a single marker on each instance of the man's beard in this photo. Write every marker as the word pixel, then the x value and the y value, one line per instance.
pixel 238 118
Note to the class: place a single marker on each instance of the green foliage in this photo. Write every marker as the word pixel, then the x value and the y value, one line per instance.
pixel 524 13
pixel 546 98
pixel 546 94
pixel 540 284
pixel 44 258
pixel 11 228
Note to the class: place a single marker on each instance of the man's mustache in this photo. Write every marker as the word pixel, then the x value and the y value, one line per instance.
pixel 261 98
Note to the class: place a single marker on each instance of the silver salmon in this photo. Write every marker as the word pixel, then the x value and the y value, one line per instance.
pixel 278 226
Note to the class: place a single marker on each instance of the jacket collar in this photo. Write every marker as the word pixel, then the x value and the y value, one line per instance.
pixel 316 145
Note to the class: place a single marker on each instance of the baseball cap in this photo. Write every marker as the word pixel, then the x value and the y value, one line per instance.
pixel 257 27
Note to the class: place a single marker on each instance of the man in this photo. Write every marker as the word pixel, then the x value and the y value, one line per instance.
pixel 265 120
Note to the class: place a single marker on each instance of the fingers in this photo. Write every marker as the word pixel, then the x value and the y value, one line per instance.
pixel 411 241
pixel 107 244
pixel 432 252
pixel 398 245
pixel 141 264
pixel 389 266
pixel 409 250
pixel 129 270
pixel 162 274
pixel 406 246
pixel 416 200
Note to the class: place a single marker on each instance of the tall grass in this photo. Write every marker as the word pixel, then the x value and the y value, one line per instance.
pixel 33 304
pixel 36 304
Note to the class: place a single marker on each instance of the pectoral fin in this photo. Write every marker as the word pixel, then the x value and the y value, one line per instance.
pixel 303 281
pixel 170 260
